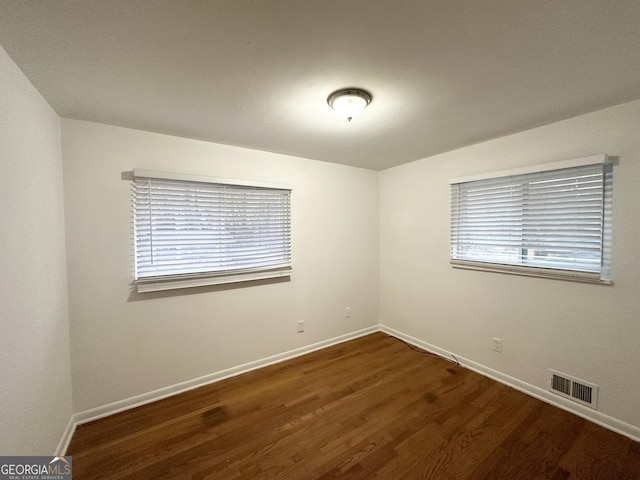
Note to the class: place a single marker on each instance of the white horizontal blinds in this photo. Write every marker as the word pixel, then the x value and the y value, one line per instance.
pixel 195 228
pixel 553 219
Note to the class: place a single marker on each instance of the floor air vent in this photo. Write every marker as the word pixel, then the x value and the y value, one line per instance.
pixel 577 390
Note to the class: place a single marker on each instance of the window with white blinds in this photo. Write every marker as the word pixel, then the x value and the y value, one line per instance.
pixel 551 223
pixel 194 231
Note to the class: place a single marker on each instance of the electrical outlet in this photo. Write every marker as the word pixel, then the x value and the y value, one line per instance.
pixel 347 312
pixel 300 327
pixel 497 345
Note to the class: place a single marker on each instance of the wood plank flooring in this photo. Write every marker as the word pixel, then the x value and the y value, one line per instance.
pixel 371 408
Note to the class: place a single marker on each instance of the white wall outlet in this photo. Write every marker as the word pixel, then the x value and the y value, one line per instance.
pixel 347 312
pixel 497 345
pixel 300 327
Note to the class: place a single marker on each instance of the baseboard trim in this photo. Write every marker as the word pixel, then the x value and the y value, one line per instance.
pixel 165 392
pixel 63 444
pixel 594 416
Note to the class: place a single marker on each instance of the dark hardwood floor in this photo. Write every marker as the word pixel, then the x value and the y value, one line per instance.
pixel 371 408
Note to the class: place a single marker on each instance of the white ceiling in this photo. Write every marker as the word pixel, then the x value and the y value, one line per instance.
pixel 257 73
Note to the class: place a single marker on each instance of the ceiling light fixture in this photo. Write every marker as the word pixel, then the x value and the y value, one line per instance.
pixel 349 102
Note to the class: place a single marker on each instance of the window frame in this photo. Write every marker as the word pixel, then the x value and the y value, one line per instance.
pixel 600 277
pixel 160 282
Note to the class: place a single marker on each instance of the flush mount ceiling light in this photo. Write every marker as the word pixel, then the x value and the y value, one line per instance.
pixel 349 102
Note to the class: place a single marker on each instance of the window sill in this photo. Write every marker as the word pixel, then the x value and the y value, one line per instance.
pixel 551 273
pixel 173 283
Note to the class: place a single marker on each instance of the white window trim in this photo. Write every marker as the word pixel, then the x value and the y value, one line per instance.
pixel 169 283
pixel 531 271
pixel 600 158
pixel 187 177
pixel 172 282
pixel 583 277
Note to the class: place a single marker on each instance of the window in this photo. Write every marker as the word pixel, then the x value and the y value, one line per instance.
pixel 551 221
pixel 193 231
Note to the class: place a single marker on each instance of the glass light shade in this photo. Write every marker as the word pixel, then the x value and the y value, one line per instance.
pixel 349 104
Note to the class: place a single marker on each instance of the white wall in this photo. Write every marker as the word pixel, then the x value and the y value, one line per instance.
pixel 125 344
pixel 35 383
pixel 588 331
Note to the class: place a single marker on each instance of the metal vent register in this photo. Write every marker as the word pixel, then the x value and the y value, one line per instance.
pixel 577 390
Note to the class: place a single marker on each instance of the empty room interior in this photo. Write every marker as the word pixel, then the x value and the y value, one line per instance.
pixel 311 240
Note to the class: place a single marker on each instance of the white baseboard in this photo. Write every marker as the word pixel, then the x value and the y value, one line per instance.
pixel 601 419
pixel 169 391
pixel 610 423
pixel 63 444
